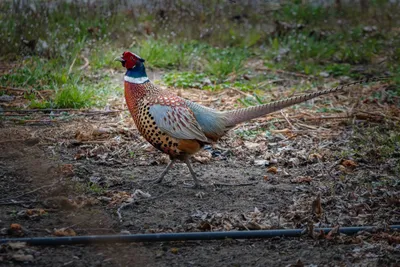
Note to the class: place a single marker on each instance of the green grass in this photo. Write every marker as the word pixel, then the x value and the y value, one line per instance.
pixel 334 53
pixel 218 62
pixel 71 88
pixel 159 53
pixel 376 144
pixel 187 79
pixel 202 50
pixel 222 62
pixel 74 96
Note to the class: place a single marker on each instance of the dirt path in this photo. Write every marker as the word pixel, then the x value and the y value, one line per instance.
pixel 74 176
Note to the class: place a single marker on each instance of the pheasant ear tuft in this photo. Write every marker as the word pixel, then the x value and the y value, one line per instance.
pixel 142 60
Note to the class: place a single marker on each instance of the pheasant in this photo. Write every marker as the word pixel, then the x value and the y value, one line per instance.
pixel 179 127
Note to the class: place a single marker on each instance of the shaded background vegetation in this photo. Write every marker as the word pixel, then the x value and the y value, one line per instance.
pixel 68 46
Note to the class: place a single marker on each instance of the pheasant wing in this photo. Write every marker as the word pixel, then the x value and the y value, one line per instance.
pixel 178 122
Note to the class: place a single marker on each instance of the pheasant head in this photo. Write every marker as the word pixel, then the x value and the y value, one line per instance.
pixel 129 60
pixel 135 70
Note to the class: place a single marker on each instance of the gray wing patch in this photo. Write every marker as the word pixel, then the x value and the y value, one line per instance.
pixel 178 122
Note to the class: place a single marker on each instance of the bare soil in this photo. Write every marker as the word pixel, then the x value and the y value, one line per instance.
pixel 71 176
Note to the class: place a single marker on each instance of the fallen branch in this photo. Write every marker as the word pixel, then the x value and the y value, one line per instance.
pixel 30 192
pixel 59 115
pixel 9 203
pixel 63 109
pixel 86 63
pixel 380 115
pixel 287 120
pixel 32 121
pixel 17 140
pixel 14 89
pixel 287 72
pixel 71 66
pixel 263 84
pixel 23 115
pixel 240 92
pixel 241 184
pixel 327 118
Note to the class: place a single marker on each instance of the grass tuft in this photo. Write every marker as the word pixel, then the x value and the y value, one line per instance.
pixel 74 96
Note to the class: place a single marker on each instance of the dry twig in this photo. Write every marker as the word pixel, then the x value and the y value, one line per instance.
pixel 123 206
pixel 29 192
pixel 241 184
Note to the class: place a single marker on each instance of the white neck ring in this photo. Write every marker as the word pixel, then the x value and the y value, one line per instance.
pixel 138 80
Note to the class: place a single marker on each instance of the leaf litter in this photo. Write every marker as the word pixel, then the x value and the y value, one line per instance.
pixel 297 160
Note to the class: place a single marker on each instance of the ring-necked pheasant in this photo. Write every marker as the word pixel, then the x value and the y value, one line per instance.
pixel 179 127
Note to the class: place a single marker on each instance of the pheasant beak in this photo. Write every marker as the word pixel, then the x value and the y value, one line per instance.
pixel 120 59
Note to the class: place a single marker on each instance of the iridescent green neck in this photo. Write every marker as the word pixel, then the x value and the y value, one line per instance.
pixel 137 75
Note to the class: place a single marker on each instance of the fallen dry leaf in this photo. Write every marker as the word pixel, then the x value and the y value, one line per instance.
pixel 251 145
pixel 22 257
pixel 15 226
pixel 314 156
pixel 205 226
pixel 272 170
pixel 79 155
pixel 301 179
pixel 82 136
pixel 392 239
pixel 203 156
pixel 299 263
pixel 67 170
pixel 64 232
pixel 333 232
pixel 174 250
pixel 349 163
pixel 16 230
pixel 316 206
pixel 310 229
pixel 35 212
pixel 17 245
pixel 290 135
pixel 342 168
pixel 266 178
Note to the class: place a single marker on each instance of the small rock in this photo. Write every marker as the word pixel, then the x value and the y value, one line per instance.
pixel 261 162
pixel 200 195
pixel 128 223
pixel 251 145
pixel 207 81
pixel 324 74
pixel 370 28
pixel 294 161
pixel 22 257
pixel 95 179
pixel 104 199
pixel 17 245
pixel 175 250
pixel 6 98
pixel 159 254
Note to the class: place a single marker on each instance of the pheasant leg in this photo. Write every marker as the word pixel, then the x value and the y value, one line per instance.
pixel 196 182
pixel 159 179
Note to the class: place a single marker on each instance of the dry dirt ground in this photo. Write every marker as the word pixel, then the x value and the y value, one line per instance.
pixel 69 173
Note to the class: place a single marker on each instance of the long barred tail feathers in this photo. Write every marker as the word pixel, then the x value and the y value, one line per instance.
pixel 237 116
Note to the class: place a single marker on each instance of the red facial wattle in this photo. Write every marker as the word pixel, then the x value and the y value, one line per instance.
pixel 130 62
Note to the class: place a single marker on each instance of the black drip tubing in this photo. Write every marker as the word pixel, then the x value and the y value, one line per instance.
pixel 97 239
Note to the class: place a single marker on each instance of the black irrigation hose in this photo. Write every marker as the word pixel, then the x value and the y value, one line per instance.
pixel 96 239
